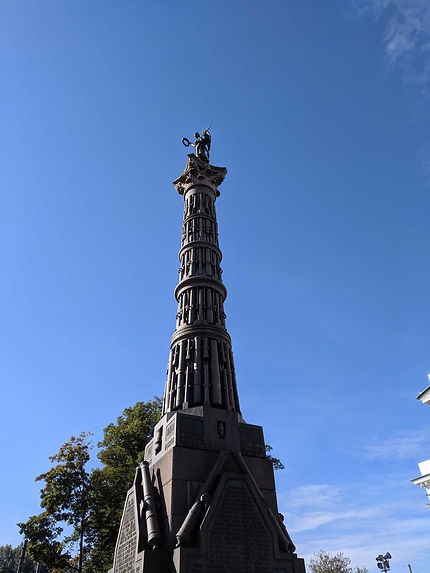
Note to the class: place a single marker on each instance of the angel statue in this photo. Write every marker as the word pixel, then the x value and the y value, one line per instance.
pixel 202 144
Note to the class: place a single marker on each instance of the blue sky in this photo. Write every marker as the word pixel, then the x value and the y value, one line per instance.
pixel 321 113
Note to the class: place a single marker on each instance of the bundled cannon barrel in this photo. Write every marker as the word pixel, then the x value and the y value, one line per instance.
pixel 151 517
pixel 196 512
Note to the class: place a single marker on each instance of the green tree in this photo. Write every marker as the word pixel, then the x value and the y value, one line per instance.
pixel 8 563
pixel 57 535
pixel 9 559
pixel 323 562
pixel 277 464
pixel 121 450
pixel 82 510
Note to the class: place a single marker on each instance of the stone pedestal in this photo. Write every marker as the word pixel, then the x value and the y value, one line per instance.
pixel 214 497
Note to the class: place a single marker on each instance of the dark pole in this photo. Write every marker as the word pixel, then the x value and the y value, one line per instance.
pixel 21 559
pixel 81 545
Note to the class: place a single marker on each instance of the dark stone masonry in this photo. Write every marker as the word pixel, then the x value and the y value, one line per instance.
pixel 204 499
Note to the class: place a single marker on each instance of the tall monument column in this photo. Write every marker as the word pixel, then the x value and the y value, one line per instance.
pixel 204 499
pixel 201 370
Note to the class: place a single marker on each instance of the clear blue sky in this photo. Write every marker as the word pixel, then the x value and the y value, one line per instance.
pixel 321 113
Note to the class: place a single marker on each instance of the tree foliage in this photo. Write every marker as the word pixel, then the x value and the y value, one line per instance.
pixel 82 509
pixel 121 450
pixel 276 462
pixel 9 559
pixel 55 533
pixel 323 562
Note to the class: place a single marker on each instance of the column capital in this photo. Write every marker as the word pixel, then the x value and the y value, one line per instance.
pixel 198 172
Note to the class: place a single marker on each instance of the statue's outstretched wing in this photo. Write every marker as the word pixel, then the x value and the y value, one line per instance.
pixel 207 136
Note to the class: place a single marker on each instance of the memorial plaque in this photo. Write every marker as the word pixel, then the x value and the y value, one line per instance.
pixel 149 451
pixel 197 566
pixel 191 432
pixel 125 554
pixel 251 440
pixel 170 434
pixel 238 537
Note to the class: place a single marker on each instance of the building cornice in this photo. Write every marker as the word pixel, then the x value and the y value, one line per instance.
pixel 424 396
pixel 422 481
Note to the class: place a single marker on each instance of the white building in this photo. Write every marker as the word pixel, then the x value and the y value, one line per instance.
pixel 424 479
pixel 425 394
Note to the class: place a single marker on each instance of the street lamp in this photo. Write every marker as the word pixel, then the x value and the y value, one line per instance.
pixel 383 562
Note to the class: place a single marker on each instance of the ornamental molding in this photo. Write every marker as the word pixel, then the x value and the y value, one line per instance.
pixel 198 172
pixel 424 396
pixel 199 331
pixel 200 245
pixel 202 282
pixel 422 481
